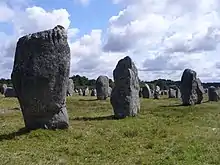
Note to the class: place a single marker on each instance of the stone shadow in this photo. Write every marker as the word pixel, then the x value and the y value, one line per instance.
pixel 110 117
pixel 12 135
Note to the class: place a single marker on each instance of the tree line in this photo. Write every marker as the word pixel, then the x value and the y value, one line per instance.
pixel 164 84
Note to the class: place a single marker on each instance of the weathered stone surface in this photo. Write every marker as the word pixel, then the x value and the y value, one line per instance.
pixel 10 92
pixel 70 88
pixel 172 93
pixel 146 92
pixel 191 88
pixel 3 88
pixel 93 92
pixel 40 78
pixel 157 92
pixel 102 87
pixel 213 94
pixel 80 91
pixel 125 95
pixel 86 92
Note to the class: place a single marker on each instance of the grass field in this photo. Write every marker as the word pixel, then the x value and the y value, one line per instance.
pixel 163 133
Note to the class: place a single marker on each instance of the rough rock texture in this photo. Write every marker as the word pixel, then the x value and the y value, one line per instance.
pixel 146 92
pixel 70 88
pixel 157 92
pixel 102 87
pixel 10 92
pixel 172 93
pixel 40 78
pixel 80 92
pixel 3 88
pixel 191 88
pixel 125 95
pixel 86 92
pixel 93 92
pixel 213 94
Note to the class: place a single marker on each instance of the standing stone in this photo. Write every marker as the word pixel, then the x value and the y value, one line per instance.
pixel 172 93
pixel 146 92
pixel 109 91
pixel 70 88
pixel 10 92
pixel 125 95
pixel 213 94
pixel 191 88
pixel 93 92
pixel 157 92
pixel 102 87
pixel 3 88
pixel 80 92
pixel 140 93
pixel 40 77
pixel 86 92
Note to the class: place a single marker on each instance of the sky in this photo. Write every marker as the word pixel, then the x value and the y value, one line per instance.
pixel 163 37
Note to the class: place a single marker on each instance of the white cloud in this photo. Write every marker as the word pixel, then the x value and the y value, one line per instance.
pixel 6 13
pixel 162 37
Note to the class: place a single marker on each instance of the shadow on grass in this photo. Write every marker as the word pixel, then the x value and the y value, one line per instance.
pixel 111 117
pixel 88 99
pixel 12 135
pixel 174 105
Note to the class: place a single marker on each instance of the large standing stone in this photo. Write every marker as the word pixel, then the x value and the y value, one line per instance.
pixel 213 94
pixel 102 87
pixel 125 95
pixel 40 78
pixel 146 92
pixel 3 88
pixel 109 91
pixel 191 88
pixel 80 92
pixel 10 92
pixel 70 88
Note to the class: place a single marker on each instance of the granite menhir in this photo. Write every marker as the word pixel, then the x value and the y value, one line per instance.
pixel 125 94
pixel 40 77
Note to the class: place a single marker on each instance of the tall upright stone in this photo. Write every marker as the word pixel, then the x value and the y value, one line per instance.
pixel 3 88
pixel 157 92
pixel 172 93
pixel 70 88
pixel 102 87
pixel 191 88
pixel 213 95
pixel 40 77
pixel 125 95
pixel 146 92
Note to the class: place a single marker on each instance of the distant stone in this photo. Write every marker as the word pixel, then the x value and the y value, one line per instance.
pixel 86 92
pixel 125 95
pixel 93 92
pixel 3 88
pixel 191 88
pixel 109 91
pixel 10 92
pixel 140 93
pixel 157 92
pixel 80 91
pixel 70 88
pixel 213 94
pixel 102 87
pixel 146 91
pixel 172 93
pixel 40 78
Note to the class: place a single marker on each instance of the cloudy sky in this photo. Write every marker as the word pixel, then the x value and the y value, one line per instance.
pixel 163 37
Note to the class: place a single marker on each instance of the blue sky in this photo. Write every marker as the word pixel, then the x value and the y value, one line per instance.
pixel 162 37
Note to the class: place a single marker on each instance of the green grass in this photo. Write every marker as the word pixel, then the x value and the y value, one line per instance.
pixel 163 133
